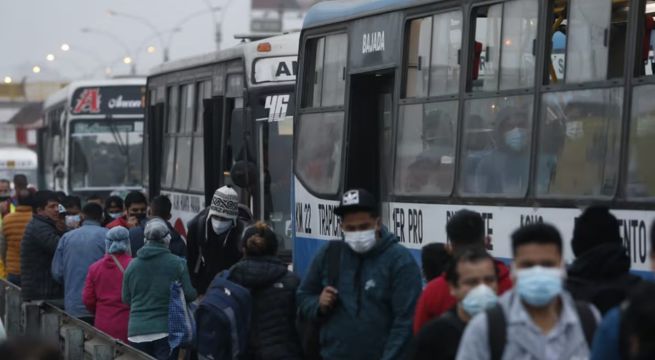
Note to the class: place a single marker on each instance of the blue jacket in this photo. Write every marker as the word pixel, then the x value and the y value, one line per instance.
pixel 377 294
pixel 606 340
pixel 76 251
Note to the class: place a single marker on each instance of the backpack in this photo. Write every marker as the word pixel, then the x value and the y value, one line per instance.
pixel 308 329
pixel 223 320
pixel 497 327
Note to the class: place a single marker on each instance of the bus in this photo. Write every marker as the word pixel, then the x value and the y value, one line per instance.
pixel 225 118
pixel 523 110
pixel 92 138
pixel 18 160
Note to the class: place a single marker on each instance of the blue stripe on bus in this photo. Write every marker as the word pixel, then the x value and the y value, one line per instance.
pixel 304 249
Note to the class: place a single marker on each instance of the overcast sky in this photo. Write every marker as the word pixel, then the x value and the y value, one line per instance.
pixel 31 29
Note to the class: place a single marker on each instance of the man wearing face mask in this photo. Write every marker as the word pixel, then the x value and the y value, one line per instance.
pixel 76 251
pixel 73 205
pixel 113 209
pixel 538 319
pixel 213 241
pixel 367 312
pixel 160 208
pixel 473 281
pixel 505 170
pixel 136 205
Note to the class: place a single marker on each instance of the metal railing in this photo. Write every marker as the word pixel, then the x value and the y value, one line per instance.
pixel 77 339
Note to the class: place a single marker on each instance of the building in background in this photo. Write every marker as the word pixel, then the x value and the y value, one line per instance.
pixel 21 107
pixel 276 16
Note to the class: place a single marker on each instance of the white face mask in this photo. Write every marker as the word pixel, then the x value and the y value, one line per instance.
pixel 360 241
pixel 220 226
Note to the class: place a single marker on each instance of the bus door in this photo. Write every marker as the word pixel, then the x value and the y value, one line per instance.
pixel 273 113
pixel 369 136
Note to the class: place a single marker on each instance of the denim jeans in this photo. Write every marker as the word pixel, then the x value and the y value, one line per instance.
pixel 158 349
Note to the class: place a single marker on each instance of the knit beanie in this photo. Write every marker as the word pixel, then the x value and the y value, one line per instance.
pixel 117 240
pixel 596 226
pixel 157 231
pixel 225 203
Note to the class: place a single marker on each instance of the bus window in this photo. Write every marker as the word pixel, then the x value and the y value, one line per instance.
pixel 418 59
pixel 183 143
pixel 172 111
pixel 326 84
pixel 446 45
pixel 579 143
pixel 198 158
pixel 426 149
pixel 334 78
pixel 507 62
pixel 641 174
pixel 587 40
pixel 647 46
pixel 496 146
pixel 187 109
pixel 319 157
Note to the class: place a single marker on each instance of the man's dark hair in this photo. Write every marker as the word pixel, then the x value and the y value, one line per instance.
pixel 20 181
pixel 135 197
pixel 92 211
pixel 25 348
pixel 61 196
pixel 541 234
pixel 434 259
pixel 25 197
pixel 161 206
pixel 471 255
pixel 465 229
pixel 94 197
pixel 596 226
pixel 42 198
pixel 638 323
pixel 72 201
pixel 113 200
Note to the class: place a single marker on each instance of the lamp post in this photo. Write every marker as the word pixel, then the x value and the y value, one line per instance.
pixel 127 59
pixel 145 22
pixel 218 34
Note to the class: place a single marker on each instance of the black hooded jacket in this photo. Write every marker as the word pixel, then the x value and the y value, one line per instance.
pixel 219 252
pixel 273 288
pixel 602 276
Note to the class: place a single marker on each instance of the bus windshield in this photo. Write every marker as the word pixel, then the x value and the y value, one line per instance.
pixel 106 153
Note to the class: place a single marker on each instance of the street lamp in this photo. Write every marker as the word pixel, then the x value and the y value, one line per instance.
pixel 127 60
pixel 36 69
pixel 116 39
pixel 50 57
pixel 65 47
pixel 8 80
pixel 145 22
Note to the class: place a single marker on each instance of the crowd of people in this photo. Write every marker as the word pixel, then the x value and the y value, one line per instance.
pixel 112 264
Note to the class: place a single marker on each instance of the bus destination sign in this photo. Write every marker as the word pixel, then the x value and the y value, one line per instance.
pixel 107 100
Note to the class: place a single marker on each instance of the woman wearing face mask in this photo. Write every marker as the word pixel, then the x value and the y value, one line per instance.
pixel 505 170
pixel 473 281
pixel 214 238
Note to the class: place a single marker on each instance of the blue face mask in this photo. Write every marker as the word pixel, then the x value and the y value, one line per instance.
pixel 539 285
pixel 516 139
pixel 479 299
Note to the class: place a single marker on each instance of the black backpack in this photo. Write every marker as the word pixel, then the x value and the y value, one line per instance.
pixel 497 327
pixel 308 329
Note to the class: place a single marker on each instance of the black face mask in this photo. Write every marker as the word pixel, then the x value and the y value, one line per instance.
pixel 141 217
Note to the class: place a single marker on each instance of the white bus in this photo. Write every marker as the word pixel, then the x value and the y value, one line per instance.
pixel 523 110
pixel 224 111
pixel 18 160
pixel 92 139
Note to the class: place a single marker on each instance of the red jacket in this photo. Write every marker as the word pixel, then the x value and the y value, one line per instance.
pixel 102 296
pixel 437 300
pixel 119 221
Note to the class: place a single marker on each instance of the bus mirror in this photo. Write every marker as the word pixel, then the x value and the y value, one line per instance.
pixel 244 174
